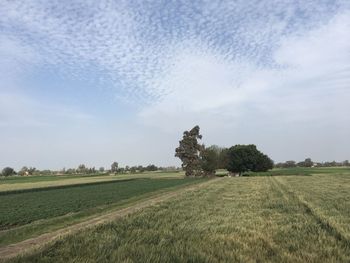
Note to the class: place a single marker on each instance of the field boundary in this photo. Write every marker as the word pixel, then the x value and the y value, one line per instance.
pixel 321 220
pixel 29 245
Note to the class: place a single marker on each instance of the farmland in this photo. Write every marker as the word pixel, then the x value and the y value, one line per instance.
pixel 29 212
pixel 294 218
pixel 19 183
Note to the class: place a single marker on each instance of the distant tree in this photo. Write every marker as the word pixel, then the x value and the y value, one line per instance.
pixel 23 171
pixel 8 171
pixel 279 165
pixel 114 167
pixel 308 162
pixel 301 164
pixel 120 170
pixel 189 150
pixel 70 171
pixel 91 170
pixel 127 168
pixel 31 170
pixel 47 172
pixel 346 163
pixel 81 168
pixel 133 169
pixel 140 168
pixel 101 169
pixel 151 167
pixel 244 158
pixel 209 160
pixel 289 164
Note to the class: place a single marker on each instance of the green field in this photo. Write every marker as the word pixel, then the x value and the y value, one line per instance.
pixel 245 219
pixel 285 215
pixel 29 212
pixel 24 207
pixel 29 182
pixel 302 171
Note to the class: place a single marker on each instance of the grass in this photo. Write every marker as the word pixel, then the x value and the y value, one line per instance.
pixel 328 198
pixel 39 211
pixel 18 208
pixel 246 219
pixel 301 171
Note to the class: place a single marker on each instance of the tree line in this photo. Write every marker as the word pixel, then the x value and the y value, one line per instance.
pixel 309 163
pixel 198 160
pixel 83 169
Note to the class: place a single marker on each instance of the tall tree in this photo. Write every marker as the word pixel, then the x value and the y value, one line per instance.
pixel 189 151
pixel 114 167
pixel 81 168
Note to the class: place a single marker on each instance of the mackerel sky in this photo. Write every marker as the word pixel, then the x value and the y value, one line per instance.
pixel 99 81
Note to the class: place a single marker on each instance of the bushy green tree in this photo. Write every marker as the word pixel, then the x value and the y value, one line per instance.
pixel 308 162
pixel 209 160
pixel 289 164
pixel 8 171
pixel 133 169
pixel 244 158
pixel 151 167
pixel 189 150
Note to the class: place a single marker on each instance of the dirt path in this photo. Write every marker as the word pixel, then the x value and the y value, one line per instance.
pixel 36 242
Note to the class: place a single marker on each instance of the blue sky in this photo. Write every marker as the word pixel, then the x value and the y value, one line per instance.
pixel 100 81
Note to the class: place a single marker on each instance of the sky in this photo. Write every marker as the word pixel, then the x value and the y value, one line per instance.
pixel 100 81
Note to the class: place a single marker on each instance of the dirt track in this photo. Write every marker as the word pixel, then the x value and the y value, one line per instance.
pixel 36 242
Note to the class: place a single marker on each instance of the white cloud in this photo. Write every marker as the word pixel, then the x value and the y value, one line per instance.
pixel 245 71
pixel 309 91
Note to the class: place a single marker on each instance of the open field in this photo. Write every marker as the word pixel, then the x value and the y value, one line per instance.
pixel 302 171
pixel 35 242
pixel 29 182
pixel 245 219
pixel 30 212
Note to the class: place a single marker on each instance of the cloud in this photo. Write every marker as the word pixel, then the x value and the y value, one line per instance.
pixel 306 65
pixel 245 71
pixel 303 95
pixel 134 43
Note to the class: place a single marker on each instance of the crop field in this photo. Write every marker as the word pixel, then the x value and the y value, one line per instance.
pixel 27 212
pixel 302 171
pixel 244 219
pixel 18 183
